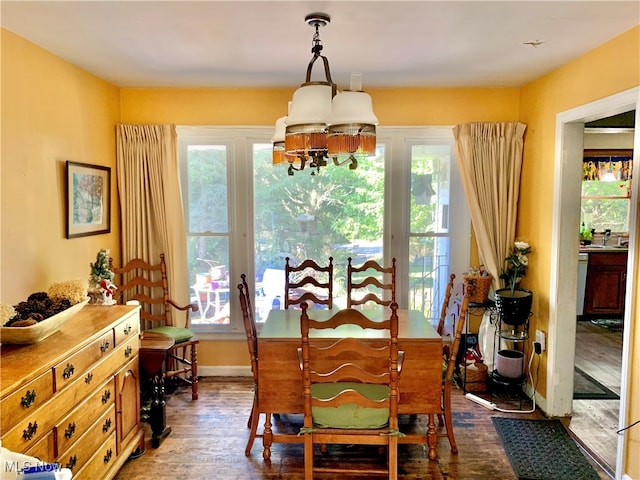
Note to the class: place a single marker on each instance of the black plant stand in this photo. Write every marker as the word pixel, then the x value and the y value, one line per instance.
pixel 515 332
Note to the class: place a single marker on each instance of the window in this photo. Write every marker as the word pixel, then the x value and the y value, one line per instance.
pixel 606 190
pixel 245 215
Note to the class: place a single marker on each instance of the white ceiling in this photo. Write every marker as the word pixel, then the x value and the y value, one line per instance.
pixel 268 44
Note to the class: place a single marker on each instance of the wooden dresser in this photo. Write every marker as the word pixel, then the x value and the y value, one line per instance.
pixel 74 398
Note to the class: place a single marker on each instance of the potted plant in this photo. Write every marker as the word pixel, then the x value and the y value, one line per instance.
pixel 514 304
pixel 586 235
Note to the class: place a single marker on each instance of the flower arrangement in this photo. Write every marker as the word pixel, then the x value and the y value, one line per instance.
pixel 101 279
pixel 516 264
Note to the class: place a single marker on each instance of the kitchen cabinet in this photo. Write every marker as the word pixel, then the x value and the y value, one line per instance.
pixel 605 285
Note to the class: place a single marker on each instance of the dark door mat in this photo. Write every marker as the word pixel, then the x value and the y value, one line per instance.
pixel 542 450
pixel 585 387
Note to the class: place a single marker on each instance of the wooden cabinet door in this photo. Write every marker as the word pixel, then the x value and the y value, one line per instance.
pixel 605 288
pixel 127 401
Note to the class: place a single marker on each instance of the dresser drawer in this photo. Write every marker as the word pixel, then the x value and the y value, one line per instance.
pixel 127 329
pixel 77 364
pixel 74 425
pixel 81 451
pixel 27 432
pixel 25 400
pixel 44 449
pixel 100 462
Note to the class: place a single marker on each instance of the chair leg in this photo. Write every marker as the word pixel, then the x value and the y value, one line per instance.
pixel 308 456
pixel 250 419
pixel 448 423
pixel 393 458
pixel 194 373
pixel 254 417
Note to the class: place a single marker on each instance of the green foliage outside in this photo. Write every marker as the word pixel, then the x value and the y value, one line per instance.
pixel 601 210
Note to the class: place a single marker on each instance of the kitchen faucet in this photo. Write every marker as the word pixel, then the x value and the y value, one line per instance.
pixel 606 236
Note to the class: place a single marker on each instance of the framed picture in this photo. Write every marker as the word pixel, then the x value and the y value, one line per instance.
pixel 88 199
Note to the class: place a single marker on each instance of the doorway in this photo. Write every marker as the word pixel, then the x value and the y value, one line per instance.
pixel 562 313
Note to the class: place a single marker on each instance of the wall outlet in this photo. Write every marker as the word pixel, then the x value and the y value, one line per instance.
pixel 541 338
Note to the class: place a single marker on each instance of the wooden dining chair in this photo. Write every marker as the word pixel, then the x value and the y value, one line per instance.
pixel 371 275
pixel 450 358
pixel 147 283
pixel 350 389
pixel 446 312
pixel 248 317
pixel 308 283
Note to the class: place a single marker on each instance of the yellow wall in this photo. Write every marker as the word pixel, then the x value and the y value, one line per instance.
pixel 611 68
pixel 262 106
pixel 51 112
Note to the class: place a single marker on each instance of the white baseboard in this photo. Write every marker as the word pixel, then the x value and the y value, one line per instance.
pixel 224 371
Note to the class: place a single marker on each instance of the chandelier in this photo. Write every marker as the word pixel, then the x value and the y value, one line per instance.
pixel 322 123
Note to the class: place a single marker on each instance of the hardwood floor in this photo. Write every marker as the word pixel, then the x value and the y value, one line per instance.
pixel 595 422
pixel 209 435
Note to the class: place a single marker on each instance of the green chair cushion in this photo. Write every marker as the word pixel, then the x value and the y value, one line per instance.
pixel 178 334
pixel 350 415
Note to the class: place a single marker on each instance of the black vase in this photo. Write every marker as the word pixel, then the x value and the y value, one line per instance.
pixel 514 307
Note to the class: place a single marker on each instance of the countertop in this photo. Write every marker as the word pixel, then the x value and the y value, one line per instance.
pixel 600 248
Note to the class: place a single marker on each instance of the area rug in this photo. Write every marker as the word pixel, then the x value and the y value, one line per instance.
pixel 542 450
pixel 612 324
pixel 585 387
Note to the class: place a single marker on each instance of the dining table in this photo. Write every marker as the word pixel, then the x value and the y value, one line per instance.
pixel 280 380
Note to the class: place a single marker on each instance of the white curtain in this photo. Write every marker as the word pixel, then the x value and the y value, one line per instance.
pixel 489 158
pixel 151 202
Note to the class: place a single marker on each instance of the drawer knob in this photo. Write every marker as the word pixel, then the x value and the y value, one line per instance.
pixel 70 430
pixel 108 455
pixel 106 426
pixel 29 432
pixel 88 378
pixel 106 396
pixel 105 346
pixel 127 351
pixel 28 399
pixel 73 461
pixel 68 371
pixel 127 329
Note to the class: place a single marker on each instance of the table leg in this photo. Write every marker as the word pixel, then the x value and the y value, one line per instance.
pixel 157 412
pixel 267 438
pixel 432 438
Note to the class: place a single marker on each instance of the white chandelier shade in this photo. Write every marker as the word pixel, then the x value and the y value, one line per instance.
pixel 322 123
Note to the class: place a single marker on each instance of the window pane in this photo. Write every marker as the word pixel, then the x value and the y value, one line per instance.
pixel 208 237
pixel 606 205
pixel 429 243
pixel 337 212
pixel 207 185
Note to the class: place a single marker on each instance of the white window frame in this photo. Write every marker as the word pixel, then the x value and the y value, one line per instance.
pixel 397 140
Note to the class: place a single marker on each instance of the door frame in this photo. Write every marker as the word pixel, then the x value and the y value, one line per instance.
pixel 564 262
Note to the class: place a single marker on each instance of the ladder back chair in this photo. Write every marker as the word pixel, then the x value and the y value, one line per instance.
pixel 147 283
pixel 449 359
pixel 382 279
pixel 308 282
pixel 350 388
pixel 248 317
pixel 446 312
